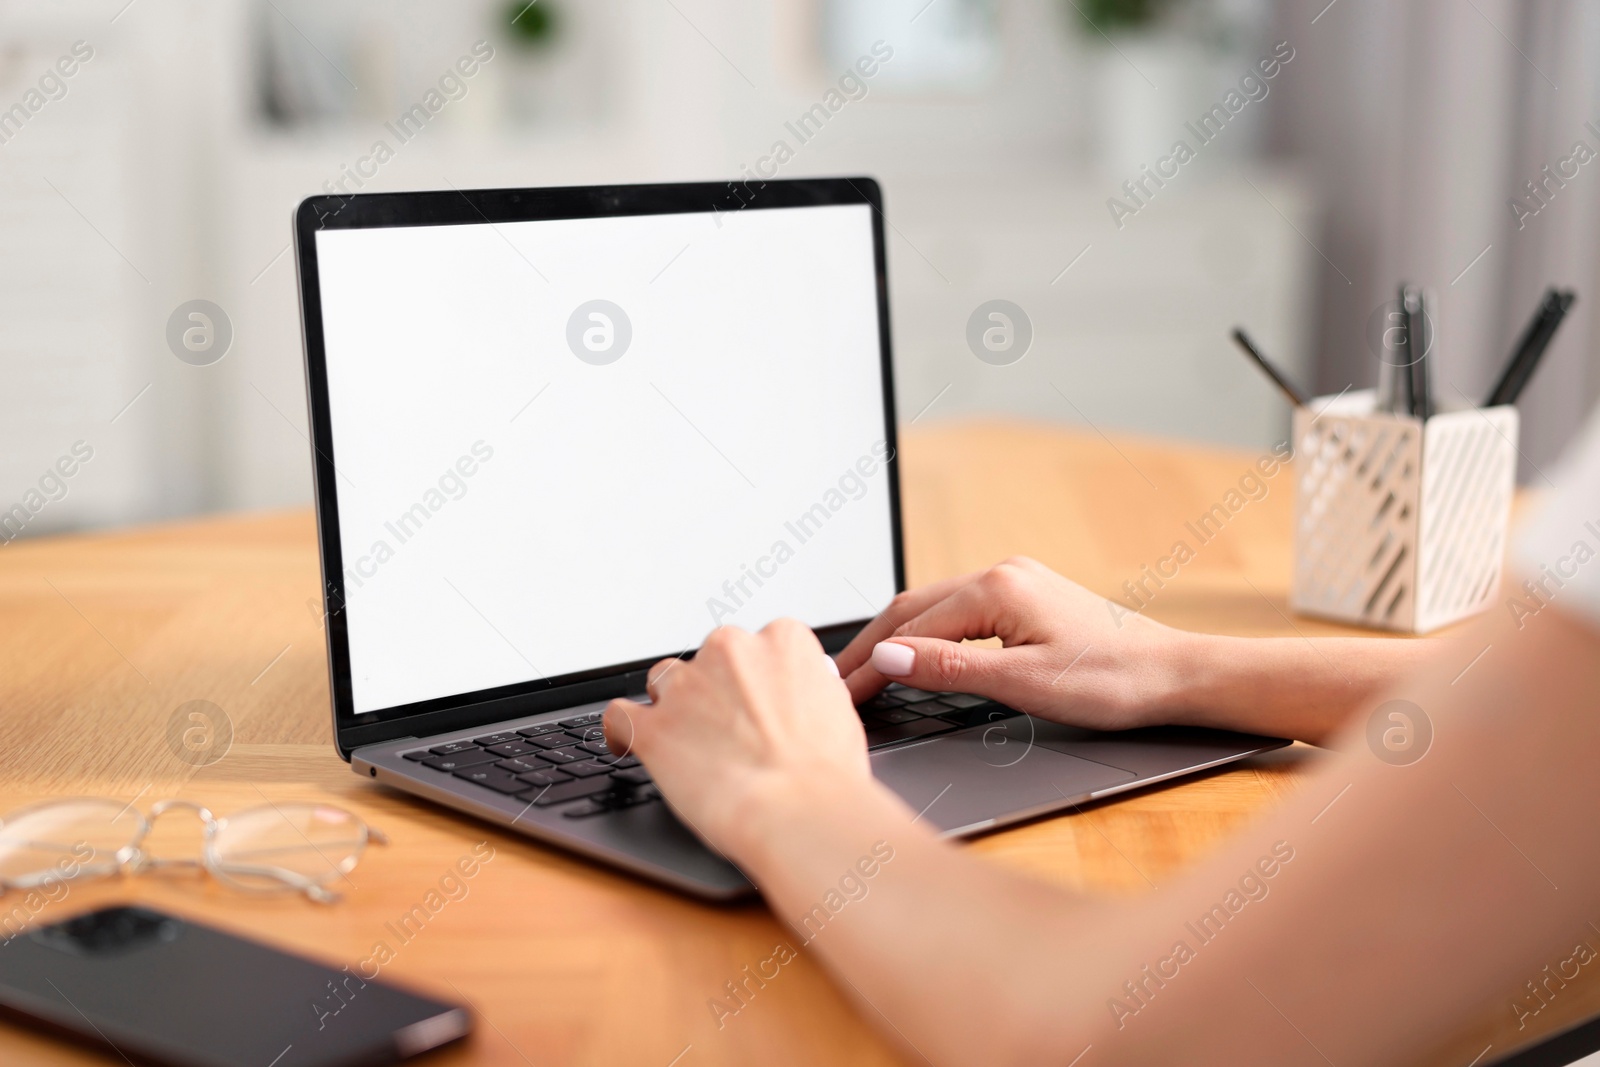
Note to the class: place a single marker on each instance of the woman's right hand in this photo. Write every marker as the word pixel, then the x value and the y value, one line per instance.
pixel 1067 655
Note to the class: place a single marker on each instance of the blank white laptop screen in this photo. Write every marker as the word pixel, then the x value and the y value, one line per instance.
pixel 567 445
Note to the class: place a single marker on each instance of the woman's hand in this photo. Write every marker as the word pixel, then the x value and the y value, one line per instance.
pixel 1068 655
pixel 753 722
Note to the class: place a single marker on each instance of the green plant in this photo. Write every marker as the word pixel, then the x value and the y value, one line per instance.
pixel 531 23
pixel 1109 16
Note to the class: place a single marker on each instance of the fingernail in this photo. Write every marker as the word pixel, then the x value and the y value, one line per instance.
pixel 893 660
pixel 832 665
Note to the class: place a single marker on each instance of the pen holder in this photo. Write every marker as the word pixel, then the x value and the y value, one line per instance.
pixel 1400 524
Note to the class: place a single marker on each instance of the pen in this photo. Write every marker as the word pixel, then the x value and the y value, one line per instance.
pixel 1282 383
pixel 1419 329
pixel 1530 349
pixel 1384 400
pixel 1388 360
pixel 1405 399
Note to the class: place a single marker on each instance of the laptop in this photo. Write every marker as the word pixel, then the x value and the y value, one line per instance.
pixel 560 434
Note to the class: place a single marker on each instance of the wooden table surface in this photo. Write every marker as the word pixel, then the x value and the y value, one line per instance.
pixel 104 636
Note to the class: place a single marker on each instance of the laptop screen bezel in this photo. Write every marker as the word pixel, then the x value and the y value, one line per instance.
pixel 493 206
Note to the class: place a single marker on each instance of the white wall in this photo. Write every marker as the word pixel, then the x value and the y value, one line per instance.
pixel 991 192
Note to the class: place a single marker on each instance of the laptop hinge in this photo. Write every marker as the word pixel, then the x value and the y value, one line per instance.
pixel 484 713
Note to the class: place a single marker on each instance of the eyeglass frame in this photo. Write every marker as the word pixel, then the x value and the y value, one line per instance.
pixel 133 858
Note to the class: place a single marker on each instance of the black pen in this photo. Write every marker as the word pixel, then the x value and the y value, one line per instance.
pixel 1420 330
pixel 1530 349
pixel 1279 380
pixel 1405 399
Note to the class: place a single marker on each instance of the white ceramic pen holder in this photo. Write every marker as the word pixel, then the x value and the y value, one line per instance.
pixel 1400 524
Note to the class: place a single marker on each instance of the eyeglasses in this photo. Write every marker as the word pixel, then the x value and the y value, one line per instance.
pixel 300 848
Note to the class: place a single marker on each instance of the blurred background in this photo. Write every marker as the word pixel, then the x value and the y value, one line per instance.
pixel 152 151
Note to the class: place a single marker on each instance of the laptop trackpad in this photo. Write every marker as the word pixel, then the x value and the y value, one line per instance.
pixel 978 775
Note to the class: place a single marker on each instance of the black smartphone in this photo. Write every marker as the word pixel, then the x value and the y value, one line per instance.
pixel 1577 1046
pixel 159 989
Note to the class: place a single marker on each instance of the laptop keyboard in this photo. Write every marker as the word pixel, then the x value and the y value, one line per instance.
pixel 568 761
pixel 901 714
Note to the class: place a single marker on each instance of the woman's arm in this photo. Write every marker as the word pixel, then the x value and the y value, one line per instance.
pixel 1423 899
pixel 1282 686
pixel 1363 922
pixel 1071 656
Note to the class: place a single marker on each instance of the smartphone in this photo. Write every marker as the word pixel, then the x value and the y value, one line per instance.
pixel 1578 1046
pixel 159 989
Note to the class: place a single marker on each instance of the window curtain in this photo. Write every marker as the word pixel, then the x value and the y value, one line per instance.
pixel 1422 125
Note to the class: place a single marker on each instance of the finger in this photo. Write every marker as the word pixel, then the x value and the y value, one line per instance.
pixel 977 610
pixel 658 672
pixel 796 637
pixel 792 631
pixel 620 723
pixel 906 606
pixel 971 611
pixel 940 665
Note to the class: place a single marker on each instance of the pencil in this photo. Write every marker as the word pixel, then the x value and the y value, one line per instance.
pixel 1279 380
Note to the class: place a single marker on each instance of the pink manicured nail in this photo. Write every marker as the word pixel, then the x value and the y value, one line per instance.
pixel 832 665
pixel 893 660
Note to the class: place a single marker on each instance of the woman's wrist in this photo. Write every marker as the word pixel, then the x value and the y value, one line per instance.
pixel 1284 687
pixel 1153 680
pixel 787 813
pixel 1191 680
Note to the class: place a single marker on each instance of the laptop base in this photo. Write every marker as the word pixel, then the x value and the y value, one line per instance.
pixel 1002 769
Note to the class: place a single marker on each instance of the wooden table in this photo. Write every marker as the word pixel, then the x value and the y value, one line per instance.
pixel 103 637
